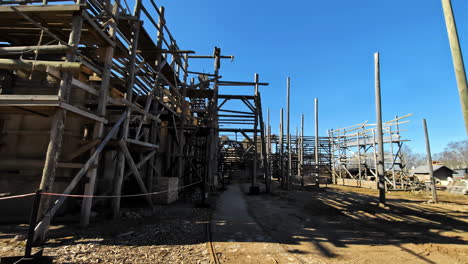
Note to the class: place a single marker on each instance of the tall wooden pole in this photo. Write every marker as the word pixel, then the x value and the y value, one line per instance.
pixel 457 58
pixel 268 133
pixel 332 143
pixel 429 163
pixel 253 188
pixel 359 155
pixel 301 164
pixel 54 147
pixel 269 147
pixel 378 111
pixel 393 158
pixel 288 177
pixel 317 180
pixel 99 127
pixel 281 150
pixel 130 78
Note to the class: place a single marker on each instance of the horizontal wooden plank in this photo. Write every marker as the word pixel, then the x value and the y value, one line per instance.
pixel 42 8
pixel 82 112
pixel 141 143
pixel 28 100
pixel 29 163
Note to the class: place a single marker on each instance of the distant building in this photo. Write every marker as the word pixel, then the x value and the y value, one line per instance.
pixel 442 174
pixel 461 174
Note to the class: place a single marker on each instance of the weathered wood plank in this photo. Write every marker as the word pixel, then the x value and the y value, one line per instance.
pixel 43 8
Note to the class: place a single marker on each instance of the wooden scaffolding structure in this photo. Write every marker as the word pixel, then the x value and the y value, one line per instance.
pixel 92 99
pixel 355 154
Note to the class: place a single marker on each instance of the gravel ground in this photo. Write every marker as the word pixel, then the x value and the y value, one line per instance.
pixel 174 234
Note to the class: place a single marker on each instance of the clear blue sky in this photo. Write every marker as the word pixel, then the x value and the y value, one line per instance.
pixel 327 48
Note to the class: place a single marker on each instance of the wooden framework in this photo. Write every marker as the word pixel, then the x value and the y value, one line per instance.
pixel 355 153
pixel 118 107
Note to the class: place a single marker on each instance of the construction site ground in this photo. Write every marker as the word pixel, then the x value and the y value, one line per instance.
pixel 335 224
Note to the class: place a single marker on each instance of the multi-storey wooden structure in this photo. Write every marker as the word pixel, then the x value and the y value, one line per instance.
pixel 93 102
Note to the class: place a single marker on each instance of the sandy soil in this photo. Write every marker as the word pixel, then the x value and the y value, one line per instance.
pixel 333 225
pixel 175 234
pixel 345 225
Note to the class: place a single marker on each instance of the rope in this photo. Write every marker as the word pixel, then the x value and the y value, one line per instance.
pixel 17 196
pixel 37 54
pixel 96 196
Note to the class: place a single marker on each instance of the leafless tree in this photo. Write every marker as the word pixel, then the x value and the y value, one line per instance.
pixel 455 155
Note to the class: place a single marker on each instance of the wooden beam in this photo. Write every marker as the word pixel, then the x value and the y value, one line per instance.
pixel 143 161
pixel 141 143
pixel 98 130
pixel 43 225
pixel 135 172
pixel 38 65
pixel 54 147
pixel 99 30
pixel 43 8
pixel 81 112
pixel 44 49
pixel 81 150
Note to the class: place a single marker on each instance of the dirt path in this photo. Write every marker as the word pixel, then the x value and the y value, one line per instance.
pixel 348 227
pixel 335 225
pixel 237 238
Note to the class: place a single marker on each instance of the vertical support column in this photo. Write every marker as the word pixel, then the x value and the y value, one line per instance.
pixel 378 111
pixel 317 168
pixel 268 132
pixel 183 121
pixel 160 37
pixel 429 163
pixel 281 149
pixel 332 143
pixel 58 121
pixel 158 160
pixel 400 145
pixel 339 154
pixel 269 156
pixel 457 58
pixel 393 158
pixel 265 160
pixel 288 178
pixel 136 25
pixel 301 163
pixel 213 162
pixel 359 155
pixel 99 126
pixel 254 188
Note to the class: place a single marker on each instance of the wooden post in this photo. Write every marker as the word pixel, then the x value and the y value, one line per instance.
pixel 359 156
pixel 269 156
pixel 268 132
pixel 265 160
pixel 332 143
pixel 254 188
pixel 215 126
pixel 132 52
pixel 301 163
pixel 429 163
pixel 400 145
pixel 281 149
pixel 317 168
pixel 99 126
pixel 393 158
pixel 378 111
pixel 289 167
pixel 457 57
pixel 58 122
